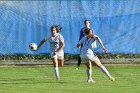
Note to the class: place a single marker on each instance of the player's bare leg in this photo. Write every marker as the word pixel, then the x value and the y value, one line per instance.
pixel 56 70
pixel 98 63
pixel 61 62
pixel 89 72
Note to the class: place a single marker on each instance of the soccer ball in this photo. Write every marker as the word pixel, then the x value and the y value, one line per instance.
pixel 33 46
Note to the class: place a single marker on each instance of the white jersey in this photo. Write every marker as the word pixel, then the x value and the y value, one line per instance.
pixel 55 42
pixel 87 48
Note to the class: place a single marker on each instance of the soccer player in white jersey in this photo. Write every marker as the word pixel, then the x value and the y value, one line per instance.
pixel 82 34
pixel 57 44
pixel 87 55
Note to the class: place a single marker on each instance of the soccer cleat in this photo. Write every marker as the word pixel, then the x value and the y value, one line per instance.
pixel 112 79
pixel 90 81
pixel 77 68
pixel 57 78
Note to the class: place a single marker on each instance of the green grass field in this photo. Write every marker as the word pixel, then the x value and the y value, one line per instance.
pixel 41 79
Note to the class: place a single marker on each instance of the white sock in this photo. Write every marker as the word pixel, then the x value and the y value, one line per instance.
pixel 89 73
pixel 105 71
pixel 56 71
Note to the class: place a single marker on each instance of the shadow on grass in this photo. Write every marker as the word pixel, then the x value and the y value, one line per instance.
pixel 28 81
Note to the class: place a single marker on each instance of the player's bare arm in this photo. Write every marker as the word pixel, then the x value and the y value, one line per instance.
pixel 101 43
pixel 41 43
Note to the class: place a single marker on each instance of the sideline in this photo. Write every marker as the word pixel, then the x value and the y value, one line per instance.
pixel 113 62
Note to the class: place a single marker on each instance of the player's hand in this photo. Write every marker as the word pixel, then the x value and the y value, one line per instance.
pixel 104 49
pixel 55 53
pixel 78 45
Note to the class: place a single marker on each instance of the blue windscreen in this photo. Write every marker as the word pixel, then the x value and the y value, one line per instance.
pixel 116 22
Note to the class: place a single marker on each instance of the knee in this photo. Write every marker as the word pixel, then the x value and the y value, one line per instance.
pixel 99 65
pixel 55 64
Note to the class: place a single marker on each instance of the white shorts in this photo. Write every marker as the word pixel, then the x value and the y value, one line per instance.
pixel 87 58
pixel 59 55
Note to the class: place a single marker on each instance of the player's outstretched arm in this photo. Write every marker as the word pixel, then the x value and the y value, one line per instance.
pixel 41 43
pixel 101 43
